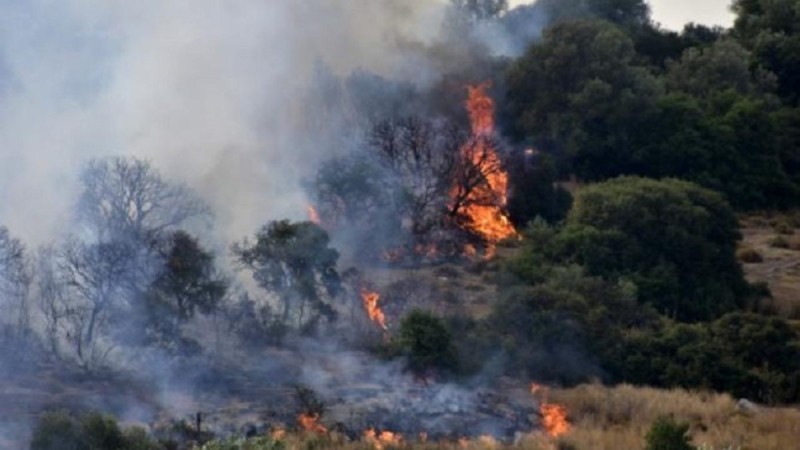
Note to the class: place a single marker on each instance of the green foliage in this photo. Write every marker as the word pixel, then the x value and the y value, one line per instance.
pixel 188 284
pixel 427 342
pixel 294 260
pixel 674 240
pixel 771 29
pixel 667 434
pixel 626 13
pixel 562 328
pixel 57 431
pixel 746 354
pixel 62 431
pixel 579 91
pixel 534 192
pixel 719 67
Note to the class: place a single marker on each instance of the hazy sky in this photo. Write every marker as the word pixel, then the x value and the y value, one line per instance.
pixel 674 14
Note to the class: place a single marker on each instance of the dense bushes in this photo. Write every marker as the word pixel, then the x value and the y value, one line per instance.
pixel 706 109
pixel 61 431
pixel 426 342
pixel 675 241
pixel 641 284
pixel 667 434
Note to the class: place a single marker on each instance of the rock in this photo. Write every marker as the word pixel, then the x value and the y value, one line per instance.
pixel 745 405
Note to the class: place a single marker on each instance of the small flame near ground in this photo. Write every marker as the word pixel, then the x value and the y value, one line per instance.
pixel 371 300
pixel 382 439
pixel 311 423
pixel 485 205
pixel 554 416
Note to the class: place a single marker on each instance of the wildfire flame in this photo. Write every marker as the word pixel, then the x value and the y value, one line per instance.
pixel 554 416
pixel 371 299
pixel 310 423
pixel 278 434
pixel 382 439
pixel 484 207
pixel 313 215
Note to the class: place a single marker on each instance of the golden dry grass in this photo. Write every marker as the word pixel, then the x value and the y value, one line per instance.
pixel 619 418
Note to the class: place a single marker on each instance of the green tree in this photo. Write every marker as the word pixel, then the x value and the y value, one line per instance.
pixel 294 261
pixel 721 66
pixel 674 240
pixel 626 13
pixel 427 342
pixel 534 192
pixel 580 92
pixel 188 284
pixel 726 142
pixel 771 30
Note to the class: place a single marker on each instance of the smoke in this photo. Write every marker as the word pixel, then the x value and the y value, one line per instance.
pixel 239 100
pixel 215 94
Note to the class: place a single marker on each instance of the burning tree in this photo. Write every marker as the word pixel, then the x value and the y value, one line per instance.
pixel 480 192
pixel 294 262
pixel 424 186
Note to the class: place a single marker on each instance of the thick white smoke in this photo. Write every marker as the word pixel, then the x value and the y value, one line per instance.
pixel 214 93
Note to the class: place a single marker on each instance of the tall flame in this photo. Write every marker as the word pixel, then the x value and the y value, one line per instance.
pixel 484 206
pixel 371 299
pixel 310 423
pixel 554 416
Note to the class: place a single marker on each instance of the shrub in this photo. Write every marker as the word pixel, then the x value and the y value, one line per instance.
pixel 749 255
pixel 779 242
pixel 675 240
pixel 427 342
pixel 783 227
pixel 667 434
pixel 62 431
pixel 57 431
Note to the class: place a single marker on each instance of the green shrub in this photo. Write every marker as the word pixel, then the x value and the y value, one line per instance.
pixel 57 431
pixel 63 431
pixel 667 434
pixel 427 342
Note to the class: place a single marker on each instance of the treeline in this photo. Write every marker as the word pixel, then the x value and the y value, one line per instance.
pixel 669 135
pixel 609 93
pixel 130 272
pixel 642 273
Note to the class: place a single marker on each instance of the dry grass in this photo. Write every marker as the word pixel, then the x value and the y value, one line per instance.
pixel 773 259
pixel 619 418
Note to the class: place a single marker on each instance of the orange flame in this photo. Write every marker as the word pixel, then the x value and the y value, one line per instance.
pixel 554 416
pixel 382 439
pixel 278 434
pixel 484 206
pixel 313 215
pixel 371 299
pixel 310 423
pixel 554 419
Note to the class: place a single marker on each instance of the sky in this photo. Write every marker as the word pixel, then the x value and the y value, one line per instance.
pixel 674 14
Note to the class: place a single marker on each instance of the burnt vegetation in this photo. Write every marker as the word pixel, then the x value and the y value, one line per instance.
pixel 594 215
